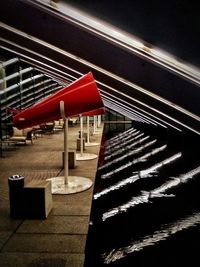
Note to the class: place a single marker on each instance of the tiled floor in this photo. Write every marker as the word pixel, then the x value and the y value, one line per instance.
pixel 60 239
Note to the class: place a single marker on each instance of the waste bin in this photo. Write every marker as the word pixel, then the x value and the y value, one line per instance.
pixel 16 185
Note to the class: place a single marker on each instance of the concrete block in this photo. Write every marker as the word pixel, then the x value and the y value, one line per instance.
pixel 37 199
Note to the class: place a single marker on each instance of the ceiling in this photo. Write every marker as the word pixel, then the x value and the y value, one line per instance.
pixel 171 25
pixel 133 74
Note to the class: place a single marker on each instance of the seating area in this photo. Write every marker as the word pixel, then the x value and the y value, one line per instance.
pixel 21 135
pixel 73 121
pixel 58 125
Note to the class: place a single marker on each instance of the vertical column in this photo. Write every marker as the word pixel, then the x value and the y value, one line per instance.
pixel 81 122
pixel 66 149
pixel 94 124
pixel 99 120
pixel 88 129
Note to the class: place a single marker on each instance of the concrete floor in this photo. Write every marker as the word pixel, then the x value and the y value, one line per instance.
pixel 60 239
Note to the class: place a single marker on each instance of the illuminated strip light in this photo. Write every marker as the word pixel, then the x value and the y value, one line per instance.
pixel 165 232
pixel 130 114
pixel 124 112
pixel 139 48
pixel 138 88
pixel 41 56
pixel 40 68
pixel 147 155
pixel 119 149
pixel 121 141
pixel 120 107
pixel 8 89
pixel 112 102
pixel 153 109
pixel 51 74
pixel 184 125
pixel 191 71
pixel 30 59
pixel 25 90
pixel 27 100
pixel 145 195
pixel 9 62
pixel 141 111
pixel 16 74
pixel 124 40
pixel 43 90
pixel 52 78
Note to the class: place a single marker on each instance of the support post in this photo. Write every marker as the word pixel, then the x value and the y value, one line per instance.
pixel 99 120
pixel 66 150
pixel 88 129
pixel 62 112
pixel 94 124
pixel 81 122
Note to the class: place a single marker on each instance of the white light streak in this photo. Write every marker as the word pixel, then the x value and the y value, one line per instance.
pixel 162 234
pixel 128 164
pixel 145 195
pixel 128 154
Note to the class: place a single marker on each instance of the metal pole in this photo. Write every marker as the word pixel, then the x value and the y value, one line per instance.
pixel 88 129
pixel 94 124
pixel 81 122
pixel 99 120
pixel 62 112
pixel 66 150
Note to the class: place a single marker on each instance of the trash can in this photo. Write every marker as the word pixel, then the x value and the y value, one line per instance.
pixel 16 185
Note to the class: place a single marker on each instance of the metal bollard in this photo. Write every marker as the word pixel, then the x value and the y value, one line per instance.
pixel 16 185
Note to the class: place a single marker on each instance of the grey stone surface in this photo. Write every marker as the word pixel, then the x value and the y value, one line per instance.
pixel 7 223
pixel 41 260
pixel 4 237
pixel 55 243
pixel 56 224
pixel 60 239
pixel 69 209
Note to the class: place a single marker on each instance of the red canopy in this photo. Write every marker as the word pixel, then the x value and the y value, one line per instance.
pixel 79 97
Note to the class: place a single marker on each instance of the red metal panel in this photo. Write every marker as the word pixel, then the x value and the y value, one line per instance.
pixel 79 97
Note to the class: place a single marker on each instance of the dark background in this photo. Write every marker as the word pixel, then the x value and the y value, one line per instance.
pixel 173 26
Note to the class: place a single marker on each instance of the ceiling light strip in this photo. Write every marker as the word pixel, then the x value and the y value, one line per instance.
pixel 109 103
pixel 128 41
pixel 116 77
pixel 141 111
pixel 39 62
pixel 155 110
